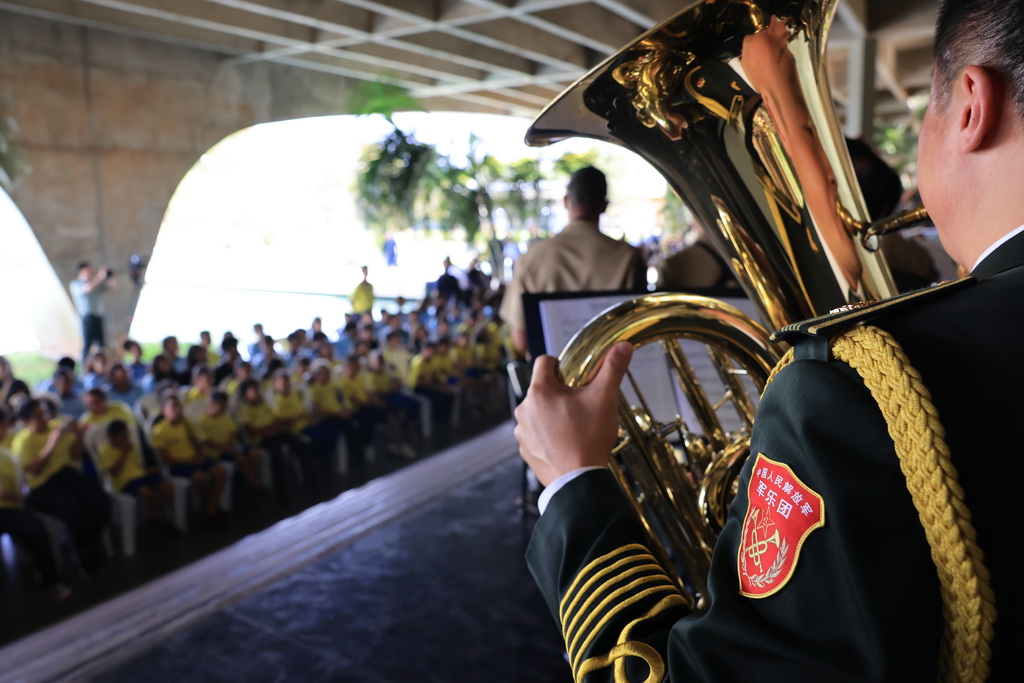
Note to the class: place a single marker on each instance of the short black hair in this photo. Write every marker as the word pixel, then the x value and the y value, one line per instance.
pixel 219 397
pixel 246 385
pixel 96 392
pixel 27 408
pixel 68 363
pixel 588 189
pixel 83 264
pixel 987 33
pixel 115 427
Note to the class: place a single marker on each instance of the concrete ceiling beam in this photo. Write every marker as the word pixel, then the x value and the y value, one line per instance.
pixel 129 23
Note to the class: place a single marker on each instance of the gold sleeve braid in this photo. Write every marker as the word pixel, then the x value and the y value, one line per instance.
pixel 627 578
pixel 968 602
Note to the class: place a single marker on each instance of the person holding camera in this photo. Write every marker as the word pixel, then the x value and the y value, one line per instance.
pixel 87 293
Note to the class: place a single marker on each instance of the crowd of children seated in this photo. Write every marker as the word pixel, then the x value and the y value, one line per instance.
pixel 231 416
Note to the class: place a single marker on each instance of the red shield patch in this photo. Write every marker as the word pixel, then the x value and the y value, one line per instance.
pixel 781 514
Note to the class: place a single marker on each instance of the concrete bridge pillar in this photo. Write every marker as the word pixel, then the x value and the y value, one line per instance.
pixel 110 124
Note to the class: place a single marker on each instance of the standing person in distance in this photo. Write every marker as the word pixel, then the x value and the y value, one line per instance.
pixel 88 291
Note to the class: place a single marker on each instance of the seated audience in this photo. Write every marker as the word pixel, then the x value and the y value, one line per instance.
pixel 99 410
pixel 70 401
pixel 133 360
pixel 219 436
pixel 206 343
pixel 95 371
pixel 120 386
pixel 49 451
pixel 230 358
pixel 202 386
pixel 177 445
pixel 162 368
pixel 427 379
pixel 24 527
pixel 121 459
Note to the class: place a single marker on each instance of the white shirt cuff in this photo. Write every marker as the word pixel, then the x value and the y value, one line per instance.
pixel 557 484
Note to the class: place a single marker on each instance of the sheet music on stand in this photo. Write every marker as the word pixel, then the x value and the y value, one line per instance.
pixel 553 319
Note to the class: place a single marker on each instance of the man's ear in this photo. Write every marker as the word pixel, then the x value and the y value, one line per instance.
pixel 982 95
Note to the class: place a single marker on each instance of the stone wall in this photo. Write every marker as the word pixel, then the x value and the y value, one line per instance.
pixel 111 123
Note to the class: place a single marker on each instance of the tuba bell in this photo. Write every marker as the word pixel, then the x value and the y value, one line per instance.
pixel 730 101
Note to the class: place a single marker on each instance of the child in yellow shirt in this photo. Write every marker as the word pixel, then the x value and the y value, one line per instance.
pixel 120 458
pixel 175 441
pixel 219 435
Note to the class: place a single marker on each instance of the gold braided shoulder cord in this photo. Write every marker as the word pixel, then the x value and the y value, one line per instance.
pixel 968 603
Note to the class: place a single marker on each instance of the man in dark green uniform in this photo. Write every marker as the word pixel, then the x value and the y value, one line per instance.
pixel 874 531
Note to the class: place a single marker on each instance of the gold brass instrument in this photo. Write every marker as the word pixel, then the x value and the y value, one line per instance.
pixel 730 101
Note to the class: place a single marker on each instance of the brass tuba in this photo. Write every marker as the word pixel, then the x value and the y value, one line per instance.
pixel 730 101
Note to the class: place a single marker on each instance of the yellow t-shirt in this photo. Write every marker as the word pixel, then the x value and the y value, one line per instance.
pixel 426 373
pixel 362 298
pixel 256 417
pixel 379 383
pixel 444 367
pixel 325 398
pixel 174 442
pixel 353 390
pixel 132 468
pixel 231 387
pixel 290 407
pixel 218 432
pixel 28 445
pixel 195 394
pixel 400 360
pixel 8 441
pixel 462 358
pixel 489 354
pixel 115 411
pixel 9 480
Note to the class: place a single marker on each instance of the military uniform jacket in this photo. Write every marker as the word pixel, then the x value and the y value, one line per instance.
pixel 861 601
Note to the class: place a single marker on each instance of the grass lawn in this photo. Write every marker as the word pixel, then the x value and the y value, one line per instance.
pixel 33 367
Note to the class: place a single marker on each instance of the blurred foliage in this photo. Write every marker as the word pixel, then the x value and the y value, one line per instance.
pixel 380 97
pixel 897 141
pixel 521 196
pixel 676 219
pixel 569 163
pixel 390 190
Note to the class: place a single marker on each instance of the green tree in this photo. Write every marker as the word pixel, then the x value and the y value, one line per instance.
pixel 897 141
pixel 521 196
pixel 380 97
pixel 676 218
pixel 389 191
pixel 567 164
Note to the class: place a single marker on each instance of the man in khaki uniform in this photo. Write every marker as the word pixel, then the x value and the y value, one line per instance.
pixel 579 258
pixel 695 267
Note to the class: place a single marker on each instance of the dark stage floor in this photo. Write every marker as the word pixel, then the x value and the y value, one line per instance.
pixel 442 594
pixel 26 610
